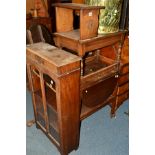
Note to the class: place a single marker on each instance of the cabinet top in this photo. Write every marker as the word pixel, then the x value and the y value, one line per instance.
pixel 52 54
pixel 77 6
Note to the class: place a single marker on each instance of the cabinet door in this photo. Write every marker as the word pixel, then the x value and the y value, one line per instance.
pixel 104 89
pixel 51 103
pixel 37 97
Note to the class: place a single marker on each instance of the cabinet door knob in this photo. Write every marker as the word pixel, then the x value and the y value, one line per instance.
pixel 52 82
pixel 116 76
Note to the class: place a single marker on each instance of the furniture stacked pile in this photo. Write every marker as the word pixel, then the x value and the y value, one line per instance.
pixel 70 85
pixel 99 72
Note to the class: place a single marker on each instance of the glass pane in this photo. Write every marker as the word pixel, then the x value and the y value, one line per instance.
pixel 50 92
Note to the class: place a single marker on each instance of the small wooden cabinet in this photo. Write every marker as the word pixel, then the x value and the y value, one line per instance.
pixel 54 77
pixel 88 18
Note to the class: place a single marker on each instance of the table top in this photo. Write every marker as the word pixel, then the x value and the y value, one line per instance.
pixel 77 6
pixel 75 35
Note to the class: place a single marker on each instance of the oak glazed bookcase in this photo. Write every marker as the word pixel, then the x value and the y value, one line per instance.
pixel 54 77
pixel 64 82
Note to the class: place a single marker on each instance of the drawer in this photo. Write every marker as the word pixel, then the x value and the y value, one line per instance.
pixel 123 79
pixel 98 93
pixel 97 69
pixel 122 98
pixel 123 88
